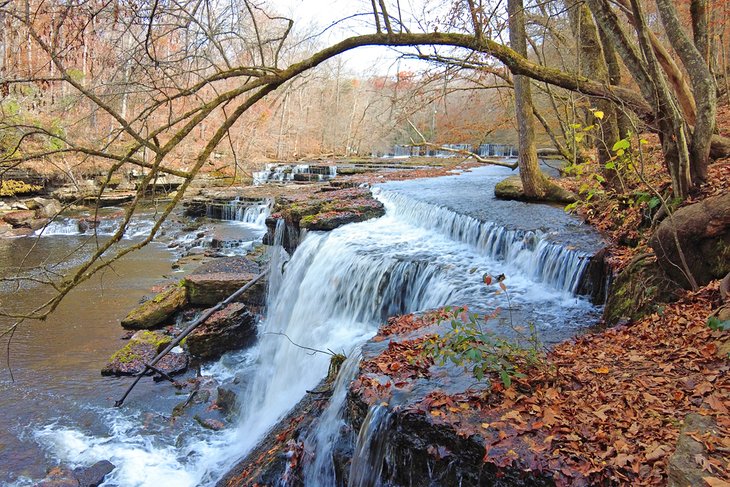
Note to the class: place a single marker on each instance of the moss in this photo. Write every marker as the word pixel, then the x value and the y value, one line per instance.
pixel 133 350
pixel 12 187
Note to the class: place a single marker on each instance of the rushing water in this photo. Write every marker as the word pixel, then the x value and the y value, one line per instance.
pixel 335 290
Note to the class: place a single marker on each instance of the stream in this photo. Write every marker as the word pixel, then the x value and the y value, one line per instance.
pixel 432 247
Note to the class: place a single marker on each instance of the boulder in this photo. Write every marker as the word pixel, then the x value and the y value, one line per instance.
pixel 511 189
pixel 141 349
pixel 683 469
pixel 227 329
pixel 214 281
pixel 20 218
pixel 703 232
pixel 158 309
pixel 45 207
pixel 92 476
pixel 637 291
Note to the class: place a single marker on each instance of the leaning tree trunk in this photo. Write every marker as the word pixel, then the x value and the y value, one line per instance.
pixel 533 181
pixel 703 87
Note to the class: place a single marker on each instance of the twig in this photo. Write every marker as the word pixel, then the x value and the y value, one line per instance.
pixel 314 350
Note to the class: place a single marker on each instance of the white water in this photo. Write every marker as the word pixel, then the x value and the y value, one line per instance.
pixel 319 470
pixel 279 173
pixel 242 211
pixel 137 227
pixel 531 252
pixel 336 289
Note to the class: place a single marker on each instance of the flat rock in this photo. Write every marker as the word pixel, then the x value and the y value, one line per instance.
pixel 228 329
pixel 214 281
pixel 20 218
pixel 511 189
pixel 141 349
pixel 158 309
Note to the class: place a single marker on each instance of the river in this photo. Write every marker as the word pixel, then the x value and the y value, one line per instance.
pixel 436 240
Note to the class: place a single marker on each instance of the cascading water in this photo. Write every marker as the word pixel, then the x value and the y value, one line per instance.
pixel 320 469
pixel 372 441
pixel 243 211
pixel 530 251
pixel 335 290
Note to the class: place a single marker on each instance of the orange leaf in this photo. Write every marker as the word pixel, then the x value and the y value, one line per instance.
pixel 600 370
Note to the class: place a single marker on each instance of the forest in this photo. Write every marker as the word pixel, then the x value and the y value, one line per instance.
pixel 469 242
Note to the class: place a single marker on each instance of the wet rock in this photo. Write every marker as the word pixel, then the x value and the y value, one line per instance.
pixel 683 469
pixel 158 309
pixel 20 218
pixel 211 424
pixel 279 453
pixel 511 189
pixel 324 210
pixel 214 281
pixel 703 231
pixel 227 401
pixel 228 329
pixel 59 477
pixel 86 224
pixel 94 475
pixel 141 349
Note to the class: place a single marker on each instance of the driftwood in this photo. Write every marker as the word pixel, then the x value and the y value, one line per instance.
pixel 197 322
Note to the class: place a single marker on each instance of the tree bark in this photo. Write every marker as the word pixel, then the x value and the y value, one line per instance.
pixel 533 180
pixel 614 75
pixel 703 86
pixel 700 31
pixel 593 64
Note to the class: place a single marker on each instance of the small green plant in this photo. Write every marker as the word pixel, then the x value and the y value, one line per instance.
pixel 715 324
pixel 481 351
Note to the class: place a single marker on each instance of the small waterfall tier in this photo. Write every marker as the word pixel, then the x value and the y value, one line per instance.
pixel 531 251
pixel 281 173
pixel 240 209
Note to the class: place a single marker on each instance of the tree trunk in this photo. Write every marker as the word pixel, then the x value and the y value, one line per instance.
pixel 700 31
pixel 614 75
pixel 703 86
pixel 593 65
pixel 533 180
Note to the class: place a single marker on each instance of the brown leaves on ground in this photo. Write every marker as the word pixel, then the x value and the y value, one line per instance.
pixel 607 407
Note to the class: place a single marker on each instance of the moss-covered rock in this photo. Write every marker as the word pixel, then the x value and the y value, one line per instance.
pixel 140 350
pixel 324 210
pixel 158 309
pixel 511 189
pixel 637 291
pixel 703 232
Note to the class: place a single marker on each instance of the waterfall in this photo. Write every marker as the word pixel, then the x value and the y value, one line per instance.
pixel 242 211
pixel 320 470
pixel 372 441
pixel 530 251
pixel 332 295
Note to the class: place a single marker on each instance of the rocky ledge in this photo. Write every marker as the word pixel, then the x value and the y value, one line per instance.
pixel 325 209
pixel 140 350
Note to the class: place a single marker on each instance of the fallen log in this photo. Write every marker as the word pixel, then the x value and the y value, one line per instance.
pixel 197 322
